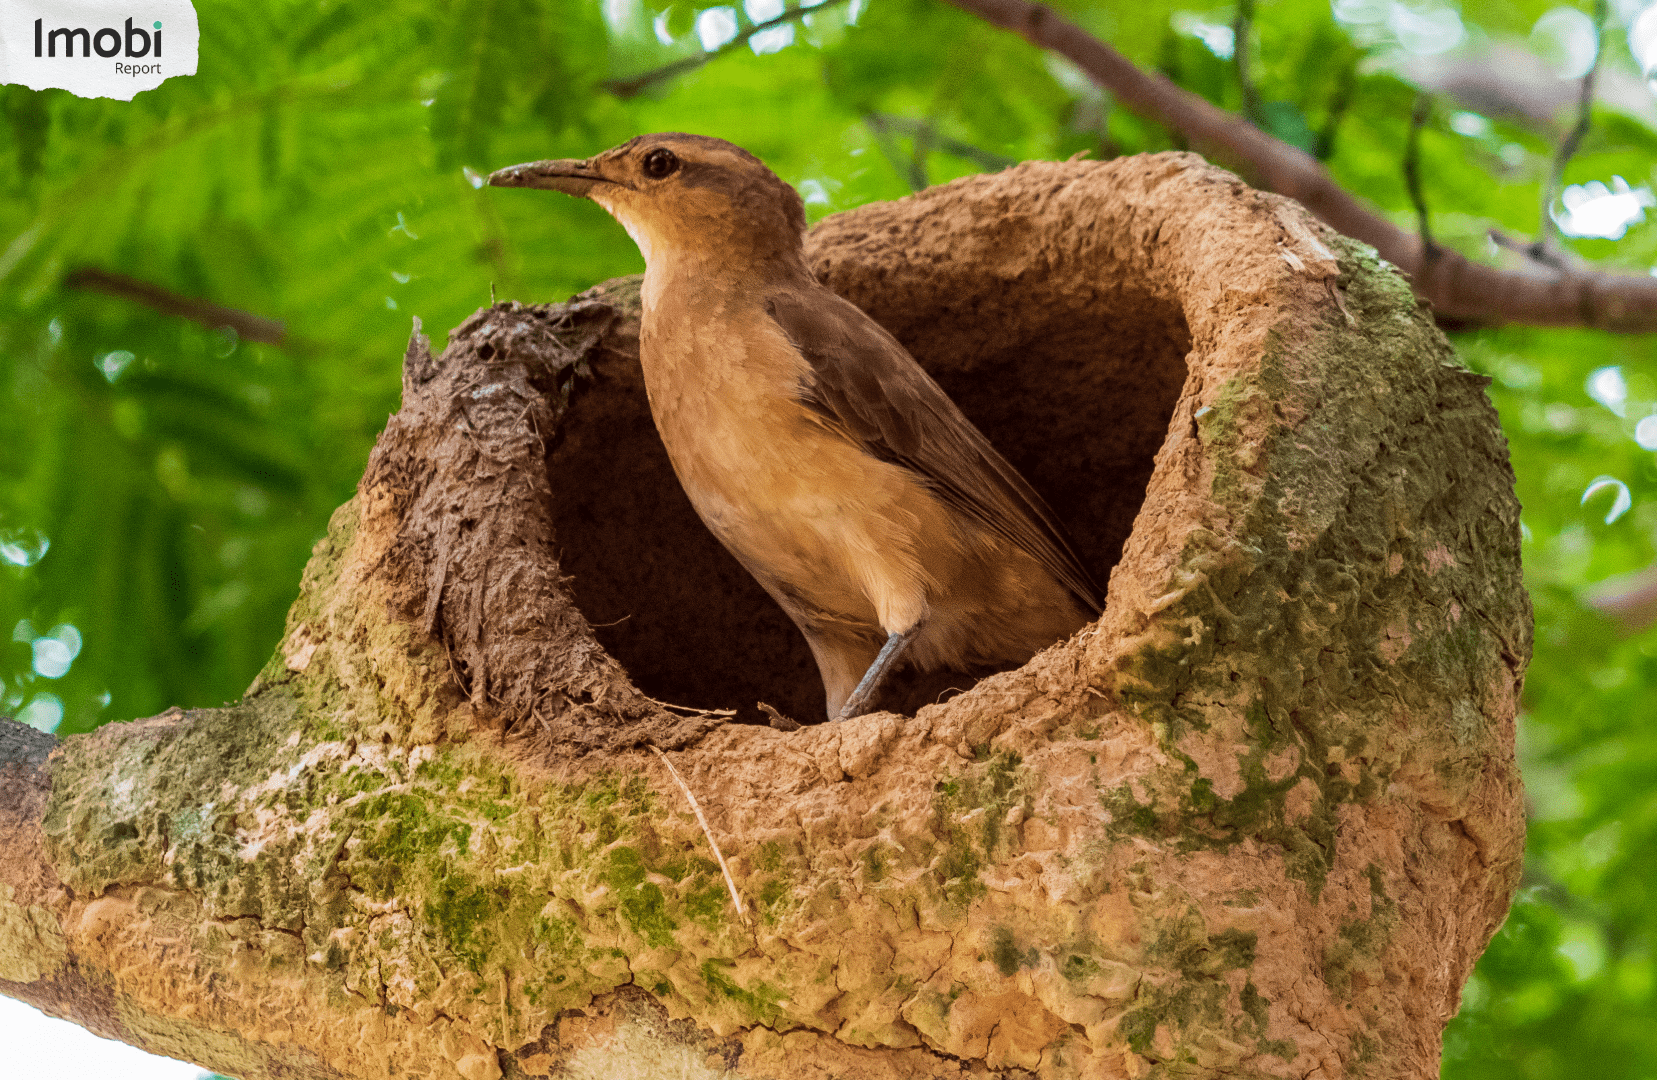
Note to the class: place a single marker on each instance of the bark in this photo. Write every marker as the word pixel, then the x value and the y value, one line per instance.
pixel 1259 820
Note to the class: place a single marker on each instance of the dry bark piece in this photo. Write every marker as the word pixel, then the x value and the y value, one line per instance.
pixel 1260 819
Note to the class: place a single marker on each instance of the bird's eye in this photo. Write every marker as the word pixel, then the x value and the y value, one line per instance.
pixel 660 163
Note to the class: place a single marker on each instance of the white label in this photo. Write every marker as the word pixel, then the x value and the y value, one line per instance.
pixel 96 48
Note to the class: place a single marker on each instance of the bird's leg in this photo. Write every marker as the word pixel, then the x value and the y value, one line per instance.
pixel 890 653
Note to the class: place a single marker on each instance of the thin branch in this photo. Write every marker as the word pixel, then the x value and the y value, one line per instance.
pixel 1553 258
pixel 904 164
pixel 1242 32
pixel 987 160
pixel 920 145
pixel 1412 173
pixel 626 88
pixel 1168 66
pixel 1457 287
pixel 1339 102
pixel 730 883
pixel 248 327
pixel 1548 233
pixel 691 709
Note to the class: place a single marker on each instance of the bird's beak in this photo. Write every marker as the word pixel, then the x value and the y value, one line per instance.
pixel 568 175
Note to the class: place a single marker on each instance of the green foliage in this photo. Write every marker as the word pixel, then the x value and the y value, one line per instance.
pixel 322 169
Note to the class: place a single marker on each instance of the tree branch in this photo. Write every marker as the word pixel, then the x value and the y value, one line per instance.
pixel 1631 599
pixel 1339 102
pixel 248 327
pixel 626 88
pixel 1242 29
pixel 1548 230
pixel 912 170
pixel 1457 287
pixel 1554 258
pixel 1412 173
pixel 885 124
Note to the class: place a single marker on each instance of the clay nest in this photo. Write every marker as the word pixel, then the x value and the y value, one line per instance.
pixel 1259 819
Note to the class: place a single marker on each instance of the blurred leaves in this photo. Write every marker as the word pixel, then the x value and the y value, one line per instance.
pixel 162 483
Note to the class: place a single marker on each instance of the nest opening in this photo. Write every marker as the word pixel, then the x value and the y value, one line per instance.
pixel 1079 402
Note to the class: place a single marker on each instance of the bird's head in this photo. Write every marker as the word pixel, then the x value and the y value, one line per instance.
pixel 681 195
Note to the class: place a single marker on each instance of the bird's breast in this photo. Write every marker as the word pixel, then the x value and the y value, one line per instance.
pixel 744 446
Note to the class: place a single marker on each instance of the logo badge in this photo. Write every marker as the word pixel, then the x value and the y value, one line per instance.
pixel 97 48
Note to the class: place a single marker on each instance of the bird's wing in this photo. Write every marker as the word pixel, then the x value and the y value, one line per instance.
pixel 863 382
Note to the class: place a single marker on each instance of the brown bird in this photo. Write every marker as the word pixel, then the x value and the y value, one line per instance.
pixel 810 442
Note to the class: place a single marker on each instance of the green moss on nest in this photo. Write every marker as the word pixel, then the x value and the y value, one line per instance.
pixel 643 904
pixel 1005 954
pixel 1184 1008
pixel 1361 941
pixel 968 813
pixel 1197 819
pixel 443 835
pixel 759 1002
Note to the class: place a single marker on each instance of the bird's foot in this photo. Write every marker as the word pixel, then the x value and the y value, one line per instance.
pixel 890 653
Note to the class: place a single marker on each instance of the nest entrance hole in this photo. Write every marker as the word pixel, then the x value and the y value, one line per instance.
pixel 1079 405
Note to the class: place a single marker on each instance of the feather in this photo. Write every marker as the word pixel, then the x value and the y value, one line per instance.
pixel 865 384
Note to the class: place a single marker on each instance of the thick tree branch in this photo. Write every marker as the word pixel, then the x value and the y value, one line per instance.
pixel 626 88
pixel 248 327
pixel 1457 287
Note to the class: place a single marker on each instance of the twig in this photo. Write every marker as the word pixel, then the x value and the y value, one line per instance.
pixel 912 170
pixel 1548 233
pixel 1242 29
pixel 904 125
pixel 1552 258
pixel 1341 100
pixel 248 327
pixel 920 144
pixel 691 709
pixel 1168 65
pixel 626 88
pixel 729 882
pixel 1457 287
pixel 778 720
pixel 1412 173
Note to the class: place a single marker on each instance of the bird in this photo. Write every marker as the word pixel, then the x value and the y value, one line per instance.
pixel 808 439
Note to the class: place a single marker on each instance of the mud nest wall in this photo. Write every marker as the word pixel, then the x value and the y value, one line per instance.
pixel 1259 820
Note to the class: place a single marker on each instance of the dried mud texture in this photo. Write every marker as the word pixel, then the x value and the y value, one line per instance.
pixel 1259 820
